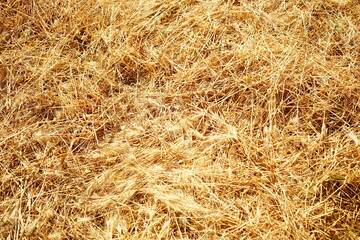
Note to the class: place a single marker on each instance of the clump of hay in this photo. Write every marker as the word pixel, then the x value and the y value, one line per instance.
pixel 179 120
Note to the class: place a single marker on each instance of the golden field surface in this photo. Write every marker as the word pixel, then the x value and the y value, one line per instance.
pixel 179 119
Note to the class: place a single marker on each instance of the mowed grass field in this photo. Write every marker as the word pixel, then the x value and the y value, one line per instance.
pixel 179 119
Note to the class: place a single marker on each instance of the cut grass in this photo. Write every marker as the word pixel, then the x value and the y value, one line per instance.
pixel 179 119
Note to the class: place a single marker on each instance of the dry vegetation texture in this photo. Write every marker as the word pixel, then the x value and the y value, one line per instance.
pixel 179 119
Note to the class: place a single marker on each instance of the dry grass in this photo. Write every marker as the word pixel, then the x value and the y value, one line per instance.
pixel 179 119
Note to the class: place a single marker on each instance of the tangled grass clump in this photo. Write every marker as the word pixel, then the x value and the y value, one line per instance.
pixel 183 119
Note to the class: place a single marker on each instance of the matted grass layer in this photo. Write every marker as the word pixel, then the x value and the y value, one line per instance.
pixel 179 119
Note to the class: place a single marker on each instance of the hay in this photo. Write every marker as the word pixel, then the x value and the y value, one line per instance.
pixel 181 119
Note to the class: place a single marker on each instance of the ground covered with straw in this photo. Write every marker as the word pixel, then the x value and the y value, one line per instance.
pixel 184 119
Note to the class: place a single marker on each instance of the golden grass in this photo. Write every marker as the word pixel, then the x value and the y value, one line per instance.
pixel 185 119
